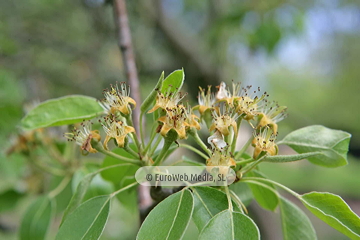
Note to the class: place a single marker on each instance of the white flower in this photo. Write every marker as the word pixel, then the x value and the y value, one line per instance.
pixel 216 141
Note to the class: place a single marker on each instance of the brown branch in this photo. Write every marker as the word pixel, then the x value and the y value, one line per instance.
pixel 125 45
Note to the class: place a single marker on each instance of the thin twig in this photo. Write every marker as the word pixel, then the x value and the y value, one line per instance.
pixel 125 45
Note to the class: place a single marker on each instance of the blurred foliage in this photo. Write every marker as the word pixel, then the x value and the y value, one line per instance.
pixel 54 48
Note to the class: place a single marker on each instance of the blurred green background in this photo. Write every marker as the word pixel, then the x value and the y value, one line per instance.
pixel 306 54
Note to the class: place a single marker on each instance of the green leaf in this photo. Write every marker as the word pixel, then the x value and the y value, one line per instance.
pixel 98 185
pixel 230 225
pixel 290 158
pixel 87 221
pixel 37 219
pixel 173 82
pixel 62 111
pixel 129 197
pixel 334 211
pixel 9 199
pixel 88 186
pixel 78 196
pixel 152 96
pixel 265 197
pixel 333 144
pixel 243 191
pixel 295 224
pixel 207 203
pixel 117 174
pixel 61 199
pixel 169 219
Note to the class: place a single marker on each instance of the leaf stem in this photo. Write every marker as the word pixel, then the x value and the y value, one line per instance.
pixel 272 182
pixel 123 189
pixel 241 162
pixel 46 168
pixel 237 200
pixel 198 140
pixel 251 166
pixel 132 152
pixel 244 148
pixel 158 140
pixel 60 187
pixel 228 195
pixel 111 154
pixel 233 144
pixel 134 136
pixel 163 152
pixel 194 150
pixel 141 129
pixel 152 137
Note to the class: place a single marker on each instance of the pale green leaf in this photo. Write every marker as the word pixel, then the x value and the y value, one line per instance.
pixel 9 200
pixel 37 219
pixel 79 194
pixel 230 225
pixel 87 221
pixel 150 99
pixel 208 202
pixel 173 82
pixel 295 224
pixel 333 144
pixel 117 174
pixel 62 111
pixel 334 211
pixel 243 191
pixel 265 197
pixel 169 219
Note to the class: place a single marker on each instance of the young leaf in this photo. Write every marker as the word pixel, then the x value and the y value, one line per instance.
pixel 334 211
pixel 152 96
pixel 37 219
pixel 333 144
pixel 87 221
pixel 169 219
pixel 207 203
pixel 61 111
pixel 230 225
pixel 295 224
pixel 173 82
pixel 265 197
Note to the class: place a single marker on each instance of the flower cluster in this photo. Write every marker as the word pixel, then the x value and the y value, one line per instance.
pixel 116 104
pixel 222 112
pixel 228 109
pixel 176 117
